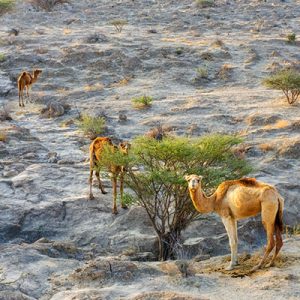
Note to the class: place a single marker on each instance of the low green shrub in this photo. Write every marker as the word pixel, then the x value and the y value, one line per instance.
pixel 91 126
pixel 142 102
pixel 6 6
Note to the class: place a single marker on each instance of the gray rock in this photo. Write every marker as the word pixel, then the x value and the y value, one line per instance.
pixel 52 110
pixel 5 85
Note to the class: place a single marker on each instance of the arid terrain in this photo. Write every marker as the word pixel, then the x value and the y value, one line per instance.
pixel 204 69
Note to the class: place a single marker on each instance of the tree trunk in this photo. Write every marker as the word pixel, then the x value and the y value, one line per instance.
pixel 169 245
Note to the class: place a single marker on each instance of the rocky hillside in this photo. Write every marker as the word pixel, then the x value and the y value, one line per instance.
pixel 203 66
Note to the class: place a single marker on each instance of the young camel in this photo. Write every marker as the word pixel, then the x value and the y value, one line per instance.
pixel 25 80
pixel 237 199
pixel 96 149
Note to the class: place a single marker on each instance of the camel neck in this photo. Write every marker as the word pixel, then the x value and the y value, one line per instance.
pixel 33 78
pixel 201 202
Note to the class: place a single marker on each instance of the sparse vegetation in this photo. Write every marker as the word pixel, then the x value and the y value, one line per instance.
pixel 142 102
pixel 160 187
pixel 202 72
pixel 179 51
pixel 218 43
pixel 3 137
pixel 119 24
pixel 47 5
pixel 2 57
pixel 225 72
pixel 265 147
pixel 205 3
pixel 91 126
pixel 291 38
pixel 288 81
pixel 6 6
pixel 292 230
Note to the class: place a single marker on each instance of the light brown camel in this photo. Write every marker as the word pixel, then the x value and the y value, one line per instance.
pixel 237 199
pixel 25 80
pixel 96 149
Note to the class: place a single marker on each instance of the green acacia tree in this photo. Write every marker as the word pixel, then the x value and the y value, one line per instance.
pixel 159 186
pixel 287 81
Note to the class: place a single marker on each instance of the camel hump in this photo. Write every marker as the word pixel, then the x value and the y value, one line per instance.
pixel 98 143
pixel 23 74
pixel 248 182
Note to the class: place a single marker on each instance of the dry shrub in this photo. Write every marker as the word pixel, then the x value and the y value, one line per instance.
pixel 159 132
pixel 265 147
pixel 47 5
pixel 218 43
pixel 225 72
pixel 278 125
pixel 94 87
pixel 119 24
pixel 3 137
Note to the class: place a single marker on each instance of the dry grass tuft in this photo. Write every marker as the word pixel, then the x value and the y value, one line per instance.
pixel 94 87
pixel 278 125
pixel 247 262
pixel 225 72
pixel 3 137
pixel 265 147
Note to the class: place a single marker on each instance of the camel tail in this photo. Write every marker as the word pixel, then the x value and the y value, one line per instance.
pixel 279 215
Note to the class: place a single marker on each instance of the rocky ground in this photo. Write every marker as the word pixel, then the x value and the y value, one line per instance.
pixel 57 245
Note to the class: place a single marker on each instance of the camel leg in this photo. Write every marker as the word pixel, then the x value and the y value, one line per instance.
pixel 268 214
pixel 27 94
pixel 100 183
pixel 123 205
pixel 279 244
pixel 21 98
pixel 91 196
pixel 231 228
pixel 114 184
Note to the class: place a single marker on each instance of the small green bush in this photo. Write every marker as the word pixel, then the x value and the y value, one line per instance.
pixel 288 81
pixel 47 5
pixel 119 24
pixel 91 126
pixel 205 3
pixel 142 102
pixel 202 72
pixel 6 6
pixel 291 38
pixel 2 57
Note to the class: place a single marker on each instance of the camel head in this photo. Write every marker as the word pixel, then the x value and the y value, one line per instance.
pixel 194 181
pixel 124 147
pixel 37 72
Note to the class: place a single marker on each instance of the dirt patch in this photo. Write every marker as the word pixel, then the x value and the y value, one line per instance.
pixel 246 263
pixel 166 296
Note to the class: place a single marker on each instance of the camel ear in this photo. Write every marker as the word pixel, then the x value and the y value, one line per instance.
pixel 200 178
pixel 187 177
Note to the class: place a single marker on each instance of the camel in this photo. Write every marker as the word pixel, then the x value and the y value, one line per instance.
pixel 96 149
pixel 25 80
pixel 238 199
